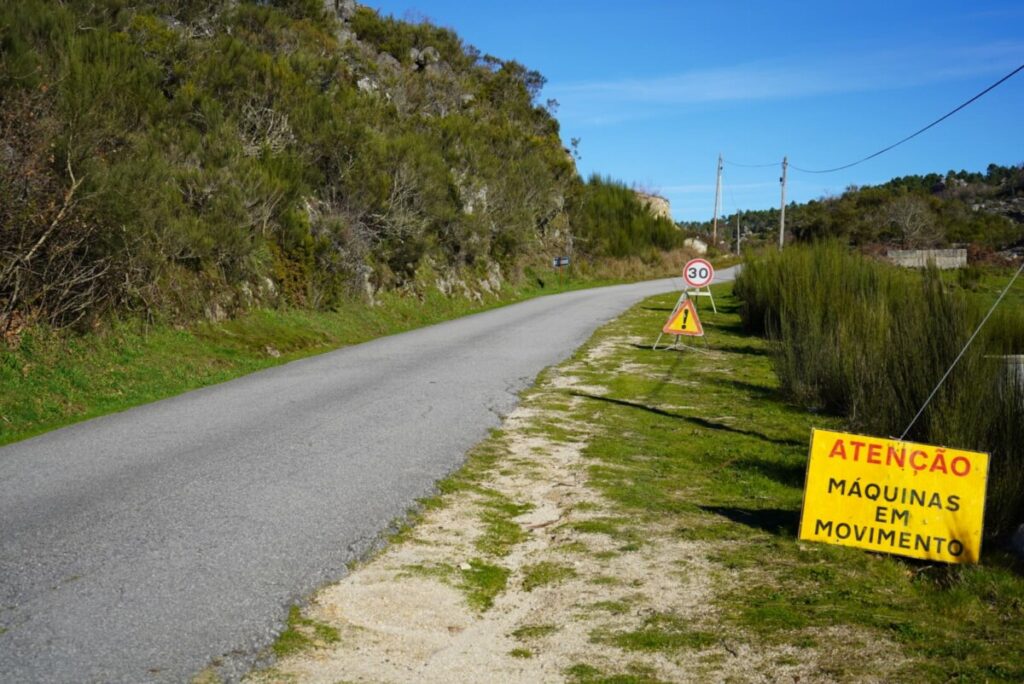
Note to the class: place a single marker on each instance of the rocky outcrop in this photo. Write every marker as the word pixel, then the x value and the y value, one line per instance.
pixel 421 59
pixel 656 204
pixel 343 9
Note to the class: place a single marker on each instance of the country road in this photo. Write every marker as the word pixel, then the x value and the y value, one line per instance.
pixel 143 545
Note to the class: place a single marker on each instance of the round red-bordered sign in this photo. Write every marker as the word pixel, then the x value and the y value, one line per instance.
pixel 698 272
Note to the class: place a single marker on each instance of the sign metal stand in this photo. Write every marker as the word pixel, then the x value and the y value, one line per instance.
pixel 698 274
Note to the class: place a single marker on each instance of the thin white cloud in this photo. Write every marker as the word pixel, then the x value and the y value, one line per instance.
pixel 792 77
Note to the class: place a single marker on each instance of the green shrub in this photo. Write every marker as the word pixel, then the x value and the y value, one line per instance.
pixel 609 220
pixel 869 341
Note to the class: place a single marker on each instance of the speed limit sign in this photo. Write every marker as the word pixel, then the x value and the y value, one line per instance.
pixel 698 272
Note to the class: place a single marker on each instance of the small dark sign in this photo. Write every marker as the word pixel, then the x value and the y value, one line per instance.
pixel 560 261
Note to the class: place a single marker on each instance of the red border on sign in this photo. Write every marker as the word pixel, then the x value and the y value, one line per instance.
pixel 707 263
pixel 686 305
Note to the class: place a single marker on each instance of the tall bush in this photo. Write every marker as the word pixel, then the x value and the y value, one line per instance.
pixel 868 341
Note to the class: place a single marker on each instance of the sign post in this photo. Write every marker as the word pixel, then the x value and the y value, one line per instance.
pixel 885 495
pixel 697 273
pixel 558 263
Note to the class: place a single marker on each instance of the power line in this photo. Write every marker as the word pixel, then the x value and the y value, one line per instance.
pixel 962 351
pixel 918 132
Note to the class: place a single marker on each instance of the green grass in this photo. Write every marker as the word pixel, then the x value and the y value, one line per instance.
pixel 302 633
pixel 582 673
pixel 534 631
pixel 54 379
pixel 545 573
pixel 660 632
pixel 482 582
pixel 707 448
pixel 500 533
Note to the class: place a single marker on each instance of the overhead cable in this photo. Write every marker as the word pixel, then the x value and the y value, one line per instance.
pixel 918 132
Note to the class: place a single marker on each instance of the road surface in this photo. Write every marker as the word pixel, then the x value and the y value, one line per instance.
pixel 141 546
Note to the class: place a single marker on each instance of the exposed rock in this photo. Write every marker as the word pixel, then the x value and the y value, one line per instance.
pixel 438 70
pixel 696 244
pixel 467 99
pixel 267 288
pixel 367 85
pixel 493 281
pixel 272 352
pixel 215 313
pixel 245 292
pixel 656 204
pixel 343 9
pixel 387 63
pixel 422 58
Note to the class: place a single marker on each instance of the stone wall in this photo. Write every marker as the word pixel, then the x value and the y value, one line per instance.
pixel 919 258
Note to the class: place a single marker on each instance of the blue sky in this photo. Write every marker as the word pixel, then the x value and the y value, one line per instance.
pixel 655 90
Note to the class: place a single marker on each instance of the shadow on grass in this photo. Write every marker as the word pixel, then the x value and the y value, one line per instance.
pixel 778 521
pixel 791 474
pixel 758 391
pixel 746 349
pixel 666 309
pixel 701 422
pixel 736 328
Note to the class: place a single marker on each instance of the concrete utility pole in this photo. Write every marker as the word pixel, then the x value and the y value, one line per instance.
pixel 737 232
pixel 782 206
pixel 718 201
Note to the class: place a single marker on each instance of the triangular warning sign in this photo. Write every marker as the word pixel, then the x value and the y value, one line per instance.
pixel 684 321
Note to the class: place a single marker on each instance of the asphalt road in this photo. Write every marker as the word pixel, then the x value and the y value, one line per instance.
pixel 141 546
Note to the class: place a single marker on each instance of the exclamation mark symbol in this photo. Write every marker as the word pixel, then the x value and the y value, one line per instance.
pixel 686 315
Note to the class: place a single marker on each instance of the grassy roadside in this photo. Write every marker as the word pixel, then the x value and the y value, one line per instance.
pixel 728 468
pixel 634 521
pixel 53 380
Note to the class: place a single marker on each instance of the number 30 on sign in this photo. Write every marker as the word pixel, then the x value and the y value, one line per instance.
pixel 698 272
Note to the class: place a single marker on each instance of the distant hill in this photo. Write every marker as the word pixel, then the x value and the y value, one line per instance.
pixel 981 209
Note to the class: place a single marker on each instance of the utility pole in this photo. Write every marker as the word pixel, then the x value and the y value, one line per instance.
pixel 718 201
pixel 782 206
pixel 737 232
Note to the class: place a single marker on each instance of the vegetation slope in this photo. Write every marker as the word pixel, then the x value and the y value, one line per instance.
pixel 170 159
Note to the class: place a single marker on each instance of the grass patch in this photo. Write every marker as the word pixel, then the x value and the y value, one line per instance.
pixel 302 633
pixel 521 653
pixel 501 532
pixel 660 632
pixel 545 573
pixel 534 631
pixel 638 673
pixel 482 582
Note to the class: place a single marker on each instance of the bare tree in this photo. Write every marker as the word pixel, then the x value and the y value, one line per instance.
pixel 912 219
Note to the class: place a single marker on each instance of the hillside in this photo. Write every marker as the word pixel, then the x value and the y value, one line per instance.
pixel 983 210
pixel 174 160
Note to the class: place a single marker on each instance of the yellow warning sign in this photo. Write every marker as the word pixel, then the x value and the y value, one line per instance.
pixel 897 497
pixel 684 321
